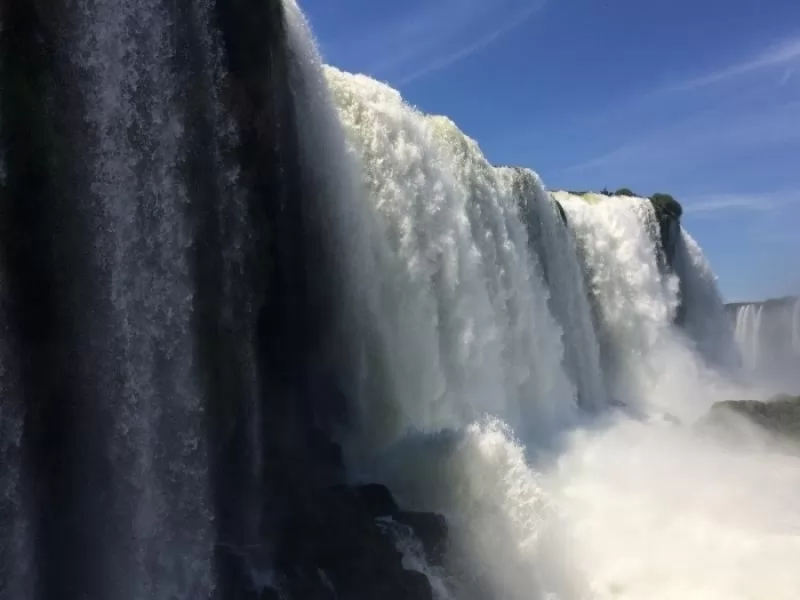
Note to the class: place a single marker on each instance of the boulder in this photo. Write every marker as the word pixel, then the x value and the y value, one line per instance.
pixel 431 529
pixel 378 500
pixel 780 415
pixel 339 546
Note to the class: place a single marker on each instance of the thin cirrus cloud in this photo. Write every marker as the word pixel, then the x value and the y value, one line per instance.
pixel 713 205
pixel 427 37
pixel 746 122
pixel 786 54
pixel 696 139
pixel 434 64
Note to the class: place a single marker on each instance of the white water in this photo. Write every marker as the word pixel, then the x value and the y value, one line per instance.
pixel 748 324
pixel 414 559
pixel 540 506
pixel 569 298
pixel 768 337
pixel 341 211
pixel 704 316
pixel 125 51
pixel 464 308
pixel 658 512
pixel 651 365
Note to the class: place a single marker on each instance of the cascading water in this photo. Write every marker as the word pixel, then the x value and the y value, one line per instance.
pixel 157 315
pixel 768 337
pixel 139 200
pixel 569 298
pixel 209 257
pixel 635 301
pixel 704 317
pixel 647 359
pixel 466 318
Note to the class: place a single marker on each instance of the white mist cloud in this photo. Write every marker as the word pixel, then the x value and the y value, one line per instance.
pixel 663 513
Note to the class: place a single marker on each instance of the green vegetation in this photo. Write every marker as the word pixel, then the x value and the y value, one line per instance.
pixel 625 192
pixel 666 206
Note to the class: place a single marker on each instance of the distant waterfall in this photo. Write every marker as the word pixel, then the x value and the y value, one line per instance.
pixel 768 337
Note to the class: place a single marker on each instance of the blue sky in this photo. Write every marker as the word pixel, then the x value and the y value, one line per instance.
pixel 698 98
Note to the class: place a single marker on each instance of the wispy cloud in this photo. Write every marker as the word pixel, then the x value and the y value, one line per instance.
pixel 785 54
pixel 437 64
pixel 715 205
pixel 415 39
pixel 706 135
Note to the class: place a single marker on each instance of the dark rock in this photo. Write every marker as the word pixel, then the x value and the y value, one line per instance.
pixel 561 212
pixel 414 586
pixel 378 500
pixel 340 545
pixel 431 529
pixel 668 213
pixel 780 415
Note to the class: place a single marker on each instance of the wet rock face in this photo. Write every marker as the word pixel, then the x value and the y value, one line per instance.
pixel 431 529
pixel 262 316
pixel 342 545
pixel 780 415
pixel 668 213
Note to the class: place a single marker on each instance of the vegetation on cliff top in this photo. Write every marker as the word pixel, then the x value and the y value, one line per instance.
pixel 667 208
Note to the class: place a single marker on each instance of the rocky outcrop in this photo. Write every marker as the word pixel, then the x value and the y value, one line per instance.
pixel 779 416
pixel 342 545
pixel 668 215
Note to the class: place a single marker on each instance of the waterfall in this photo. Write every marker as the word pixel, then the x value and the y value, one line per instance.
pixel 569 299
pixel 748 319
pixel 768 337
pixel 159 326
pixel 636 302
pixel 236 286
pixel 704 315
pixel 465 310
pixel 651 363
pixel 139 200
